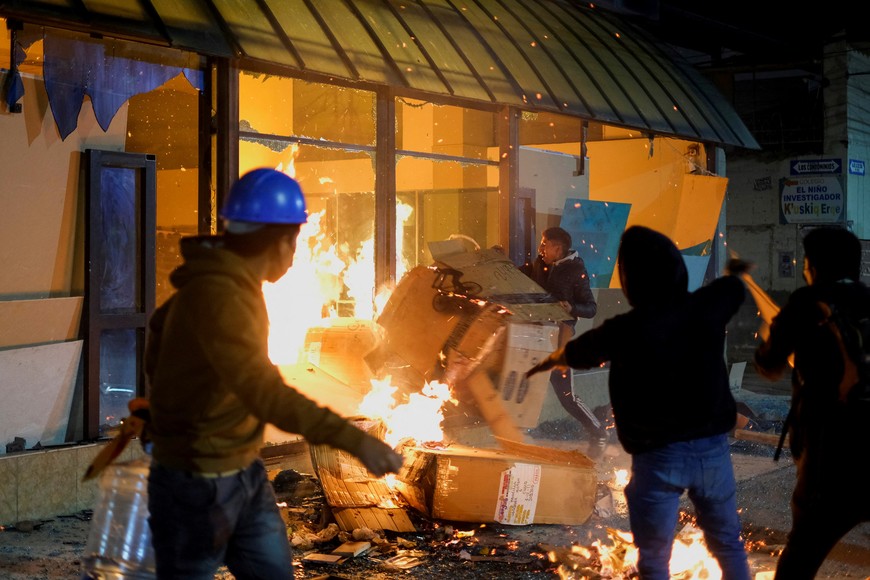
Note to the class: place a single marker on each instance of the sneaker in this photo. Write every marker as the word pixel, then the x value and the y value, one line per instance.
pixel 597 447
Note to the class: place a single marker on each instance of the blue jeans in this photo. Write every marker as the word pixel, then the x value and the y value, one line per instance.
pixel 198 524
pixel 658 479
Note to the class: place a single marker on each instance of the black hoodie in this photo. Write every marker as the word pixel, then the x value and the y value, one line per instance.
pixel 668 378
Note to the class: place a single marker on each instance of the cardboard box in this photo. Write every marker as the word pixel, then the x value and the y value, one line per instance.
pixel 322 388
pixel 524 485
pixel 339 348
pixel 523 347
pixel 483 340
pixel 418 332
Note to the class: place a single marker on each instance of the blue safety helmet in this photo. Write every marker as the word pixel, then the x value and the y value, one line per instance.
pixel 265 196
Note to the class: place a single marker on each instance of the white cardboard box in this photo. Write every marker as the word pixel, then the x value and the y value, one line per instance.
pixel 483 342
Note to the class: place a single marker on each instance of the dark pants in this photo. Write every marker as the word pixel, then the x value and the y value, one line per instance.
pixel 561 382
pixel 818 520
pixel 198 524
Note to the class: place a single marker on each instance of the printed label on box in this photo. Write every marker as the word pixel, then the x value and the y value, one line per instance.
pixel 518 494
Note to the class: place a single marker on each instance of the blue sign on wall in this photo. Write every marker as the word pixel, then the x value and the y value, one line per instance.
pixel 856 167
pixel 595 228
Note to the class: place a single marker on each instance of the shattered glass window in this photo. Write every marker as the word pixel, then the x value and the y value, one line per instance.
pixel 440 200
pixel 446 179
pixel 274 105
pixel 324 137
pixel 28 45
pixel 426 127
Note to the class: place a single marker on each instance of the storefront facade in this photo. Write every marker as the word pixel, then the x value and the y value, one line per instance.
pixel 406 124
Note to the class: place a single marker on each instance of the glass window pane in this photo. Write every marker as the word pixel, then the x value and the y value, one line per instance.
pixel 120 285
pixel 540 129
pixel 555 132
pixel 276 105
pixel 439 200
pixel 175 104
pixel 444 129
pixel 118 374
pixel 28 39
pixel 336 246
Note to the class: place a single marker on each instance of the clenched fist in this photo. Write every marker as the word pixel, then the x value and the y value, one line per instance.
pixel 556 359
pixel 378 457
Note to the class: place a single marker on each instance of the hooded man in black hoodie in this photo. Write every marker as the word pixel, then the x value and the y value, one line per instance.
pixel 671 399
pixel 827 426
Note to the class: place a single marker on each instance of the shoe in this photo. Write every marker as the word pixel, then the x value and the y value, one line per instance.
pixel 597 447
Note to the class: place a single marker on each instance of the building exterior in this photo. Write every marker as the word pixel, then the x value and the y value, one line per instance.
pixel 805 99
pixel 407 125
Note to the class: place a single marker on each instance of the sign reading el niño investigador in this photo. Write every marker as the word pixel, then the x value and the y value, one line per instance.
pixel 811 200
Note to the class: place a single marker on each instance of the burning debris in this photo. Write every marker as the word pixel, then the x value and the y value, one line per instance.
pixel 439 549
pixel 437 545
pixel 456 336
pixel 435 542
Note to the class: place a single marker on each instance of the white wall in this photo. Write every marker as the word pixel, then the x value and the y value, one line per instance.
pixel 551 175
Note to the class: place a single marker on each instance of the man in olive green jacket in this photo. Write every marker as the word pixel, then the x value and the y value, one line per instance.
pixel 213 389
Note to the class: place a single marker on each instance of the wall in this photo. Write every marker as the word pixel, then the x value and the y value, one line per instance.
pixel 39 238
pixel 44 484
pixel 754 234
pixel 754 230
pixel 857 136
pixel 41 252
pixel 551 175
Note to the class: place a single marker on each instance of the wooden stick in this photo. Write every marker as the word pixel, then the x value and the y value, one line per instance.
pixel 759 437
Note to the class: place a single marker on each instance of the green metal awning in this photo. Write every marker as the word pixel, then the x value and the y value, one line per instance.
pixel 552 55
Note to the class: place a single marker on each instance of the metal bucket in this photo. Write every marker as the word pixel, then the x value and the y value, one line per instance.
pixel 119 540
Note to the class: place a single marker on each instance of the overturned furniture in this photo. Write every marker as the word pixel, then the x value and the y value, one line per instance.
pixel 475 321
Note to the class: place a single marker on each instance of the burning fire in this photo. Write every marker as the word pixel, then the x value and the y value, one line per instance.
pixel 293 311
pixel 690 559
pixel 345 277
pixel 617 559
pixel 419 419
pixel 620 478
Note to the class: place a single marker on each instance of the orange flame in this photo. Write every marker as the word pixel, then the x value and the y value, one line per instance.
pixel 342 277
pixel 419 419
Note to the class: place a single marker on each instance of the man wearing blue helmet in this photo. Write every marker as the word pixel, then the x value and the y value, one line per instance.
pixel 213 389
